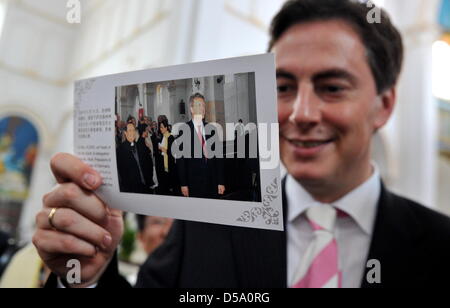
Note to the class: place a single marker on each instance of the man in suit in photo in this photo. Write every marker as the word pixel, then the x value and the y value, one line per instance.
pixel 134 164
pixel 336 78
pixel 202 176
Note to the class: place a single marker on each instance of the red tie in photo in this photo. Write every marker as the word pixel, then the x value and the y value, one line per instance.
pixel 203 142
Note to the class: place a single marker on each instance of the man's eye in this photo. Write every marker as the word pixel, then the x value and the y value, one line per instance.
pixel 284 89
pixel 333 89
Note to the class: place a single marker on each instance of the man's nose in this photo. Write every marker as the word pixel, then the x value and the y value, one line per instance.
pixel 306 108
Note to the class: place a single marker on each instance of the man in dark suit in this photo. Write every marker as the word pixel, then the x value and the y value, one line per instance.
pixel 134 164
pixel 201 176
pixel 336 89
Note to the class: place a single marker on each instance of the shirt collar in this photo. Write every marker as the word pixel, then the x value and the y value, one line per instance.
pixel 197 123
pixel 360 204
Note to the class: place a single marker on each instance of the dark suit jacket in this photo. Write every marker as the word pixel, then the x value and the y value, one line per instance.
pixel 202 176
pixel 129 177
pixel 411 242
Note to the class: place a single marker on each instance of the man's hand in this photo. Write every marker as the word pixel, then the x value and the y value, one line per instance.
pixel 185 191
pixel 221 190
pixel 85 228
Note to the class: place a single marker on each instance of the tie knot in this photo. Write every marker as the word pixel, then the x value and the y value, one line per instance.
pixel 322 217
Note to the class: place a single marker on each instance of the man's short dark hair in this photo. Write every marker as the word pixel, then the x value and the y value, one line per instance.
pixel 194 96
pixel 382 40
pixel 142 129
pixel 161 118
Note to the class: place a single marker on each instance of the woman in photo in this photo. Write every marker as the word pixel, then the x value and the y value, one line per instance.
pixel 166 164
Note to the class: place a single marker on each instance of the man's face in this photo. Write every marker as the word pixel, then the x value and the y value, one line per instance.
pixel 198 107
pixel 130 133
pixel 154 233
pixel 327 102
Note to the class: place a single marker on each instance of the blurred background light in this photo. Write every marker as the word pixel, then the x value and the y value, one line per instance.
pixel 2 15
pixel 380 3
pixel 441 70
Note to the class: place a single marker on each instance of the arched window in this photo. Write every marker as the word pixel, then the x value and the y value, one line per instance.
pixel 19 143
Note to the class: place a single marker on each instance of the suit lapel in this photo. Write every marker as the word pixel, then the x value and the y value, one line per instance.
pixel 396 241
pixel 260 256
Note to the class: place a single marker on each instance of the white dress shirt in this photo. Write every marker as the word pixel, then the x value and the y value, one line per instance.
pixel 353 233
pixel 199 125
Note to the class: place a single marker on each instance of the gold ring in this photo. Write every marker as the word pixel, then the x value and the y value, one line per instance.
pixel 51 216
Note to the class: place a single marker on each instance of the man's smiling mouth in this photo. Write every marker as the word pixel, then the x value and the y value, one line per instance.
pixel 309 144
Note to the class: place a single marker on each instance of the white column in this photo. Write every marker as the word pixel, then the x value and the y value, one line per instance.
pixel 412 134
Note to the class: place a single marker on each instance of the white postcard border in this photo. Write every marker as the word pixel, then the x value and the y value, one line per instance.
pixel 267 214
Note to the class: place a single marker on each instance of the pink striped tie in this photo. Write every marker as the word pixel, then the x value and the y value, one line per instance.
pixel 319 266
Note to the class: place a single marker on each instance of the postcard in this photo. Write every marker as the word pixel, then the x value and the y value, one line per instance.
pixel 196 142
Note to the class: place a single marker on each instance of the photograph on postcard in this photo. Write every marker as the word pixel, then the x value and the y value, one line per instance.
pixel 190 138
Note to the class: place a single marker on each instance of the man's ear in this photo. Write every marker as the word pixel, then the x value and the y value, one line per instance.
pixel 385 107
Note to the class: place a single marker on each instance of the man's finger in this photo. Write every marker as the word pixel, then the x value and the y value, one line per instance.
pixel 54 242
pixel 68 168
pixel 70 222
pixel 71 196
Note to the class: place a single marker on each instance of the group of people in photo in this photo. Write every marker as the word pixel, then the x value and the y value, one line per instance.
pixel 146 164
